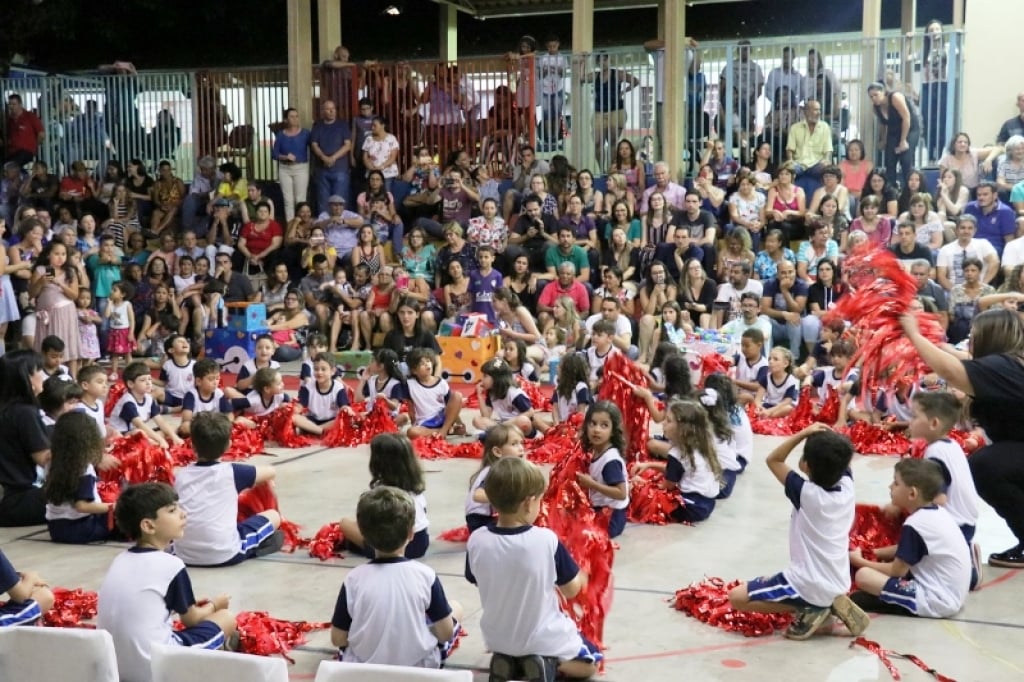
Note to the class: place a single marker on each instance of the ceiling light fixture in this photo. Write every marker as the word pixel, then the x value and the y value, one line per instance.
pixel 392 10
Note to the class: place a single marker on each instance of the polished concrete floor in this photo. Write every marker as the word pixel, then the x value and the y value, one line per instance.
pixel 645 639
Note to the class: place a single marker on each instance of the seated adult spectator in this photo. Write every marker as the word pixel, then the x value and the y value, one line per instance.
pixel 412 330
pixel 973 163
pixel 703 228
pixel 855 169
pixel 657 290
pixel 567 251
pixel 455 249
pixel 1012 126
pixel 316 294
pixel 907 249
pixel 997 222
pixel 663 183
pixel 964 300
pixel 375 188
pixel 682 251
pixel 253 197
pixel 288 327
pixel 565 284
pixel 786 203
pixel 194 207
pixel 239 288
pixel 24 445
pixel 273 291
pixel 630 168
pixel 41 187
pixel 341 227
pixel 731 292
pixel 457 200
pixel 723 165
pixel 78 191
pixel 697 293
pixel 712 197
pixel 831 186
pixel 951 197
pixel 930 290
pixel 259 243
pixel 784 300
pixel 1011 168
pixel 949 263
pixel 878 187
pixel 515 322
pixel 809 145
pixel 749 316
pixel 747 207
pixel 620 215
pixel 168 193
pixel 620 253
pixel 10 191
pixel 613 285
pixel 822 297
pixel 584 231
pixel 784 114
pixel 819 247
pixel 737 248
pixel 876 226
pixel 611 311
pixel 533 234
pixel 528 166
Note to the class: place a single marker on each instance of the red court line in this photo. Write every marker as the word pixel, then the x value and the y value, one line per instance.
pixel 696 650
pixel 1001 579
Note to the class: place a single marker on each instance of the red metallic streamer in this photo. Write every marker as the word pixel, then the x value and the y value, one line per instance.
pixel 884 654
pixel 460 534
pixel 873 529
pixel 619 377
pixel 651 503
pixel 556 442
pixel 262 635
pixel 869 439
pixel 708 602
pixel 356 429
pixel 70 608
pixel 278 427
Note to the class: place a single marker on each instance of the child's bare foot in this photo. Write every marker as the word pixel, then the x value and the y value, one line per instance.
pixel 458 429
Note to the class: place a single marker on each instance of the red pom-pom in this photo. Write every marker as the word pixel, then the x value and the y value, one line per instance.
pixel 438 447
pixel 869 439
pixel 649 502
pixel 327 542
pixel 619 377
pixel 113 395
pixel 460 534
pixel 245 443
pixel 141 461
pixel 872 529
pixel 560 439
pixel 262 635
pixel 70 608
pixel 472 401
pixel 708 602
pixel 278 427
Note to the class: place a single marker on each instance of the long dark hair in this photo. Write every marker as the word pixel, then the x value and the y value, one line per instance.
pixel 572 369
pixel 678 380
pixel 394 462
pixel 76 442
pixel 618 435
pixel 43 259
pixel 501 376
pixel 17 368
pixel 417 325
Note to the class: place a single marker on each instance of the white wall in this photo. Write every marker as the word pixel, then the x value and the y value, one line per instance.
pixel 992 77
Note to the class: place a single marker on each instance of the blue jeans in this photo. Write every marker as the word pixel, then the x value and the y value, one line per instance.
pixel 811 328
pixel 329 182
pixel 788 334
pixel 193 214
pixel 551 123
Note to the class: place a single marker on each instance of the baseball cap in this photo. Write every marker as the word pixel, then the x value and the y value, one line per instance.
pixel 335 199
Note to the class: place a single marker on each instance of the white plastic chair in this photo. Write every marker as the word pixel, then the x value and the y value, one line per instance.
pixel 335 671
pixel 186 664
pixel 53 654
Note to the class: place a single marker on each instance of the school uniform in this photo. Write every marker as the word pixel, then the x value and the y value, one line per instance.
pixel 829 379
pixel 940 575
pixel 429 402
pixel 141 590
pixel 306 372
pixel 13 612
pixel 961 495
pixel 748 372
pixel 249 368
pixel 742 436
pixel 775 393
pixel 478 514
pixel 566 407
pixel 387 607
pixel 596 361
pixel 393 389
pixel 420 542
pixel 253 404
pixel 178 380
pixel 323 406
pixel 729 461
pixel 895 407
pixel 195 403
pixel 610 469
pixel 67 524
pixel 819 536
pixel 528 372
pixel 697 483
pixel 97 414
pixel 127 409
pixel 208 491
pixel 515 403
pixel 517 570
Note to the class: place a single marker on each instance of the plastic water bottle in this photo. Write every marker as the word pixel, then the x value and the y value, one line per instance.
pixel 553 370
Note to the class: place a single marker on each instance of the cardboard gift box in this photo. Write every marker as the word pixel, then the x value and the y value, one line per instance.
pixel 463 356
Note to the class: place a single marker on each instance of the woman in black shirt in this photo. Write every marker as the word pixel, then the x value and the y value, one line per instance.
pixel 409 332
pixel 23 441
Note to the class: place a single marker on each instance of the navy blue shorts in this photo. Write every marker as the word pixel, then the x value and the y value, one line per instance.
pixel 251 532
pixel 694 508
pixel 616 520
pixel 173 400
pixel 416 548
pixel 728 481
pixel 901 592
pixel 775 589
pixel 474 521
pixel 92 528
pixel 435 422
pixel 204 635
pixel 589 652
pixel 20 613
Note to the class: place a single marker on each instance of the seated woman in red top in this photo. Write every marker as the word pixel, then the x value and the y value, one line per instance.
pixel 78 192
pixel 259 243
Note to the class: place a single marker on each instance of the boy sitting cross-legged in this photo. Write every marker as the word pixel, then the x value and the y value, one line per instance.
pixel 145 585
pixel 209 490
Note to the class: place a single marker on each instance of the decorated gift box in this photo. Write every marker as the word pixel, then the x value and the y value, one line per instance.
pixel 463 356
pixel 247 317
pixel 232 347
pixel 353 362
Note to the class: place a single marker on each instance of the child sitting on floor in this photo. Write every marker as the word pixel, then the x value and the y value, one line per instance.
pixel 778 390
pixel 692 464
pixel 208 491
pixel 749 364
pixel 516 564
pixel 267 395
pixel 818 577
pixel 75 514
pixel 204 396
pixel 176 375
pixel 502 440
pixel 501 399
pixel 136 408
pixel 326 396
pixel 384 379
pixel 392 611
pixel 435 407
pixel 933 414
pixel 393 462
pixel 678 386
pixel 605 481
pixel 262 358
pixel 146 584
pixel 572 392
pixel 29 595
pixel 930 545
pixel 722 438
pixel 93 380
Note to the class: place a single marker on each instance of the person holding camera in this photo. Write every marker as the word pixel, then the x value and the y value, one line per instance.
pixel 457 200
pixel 534 233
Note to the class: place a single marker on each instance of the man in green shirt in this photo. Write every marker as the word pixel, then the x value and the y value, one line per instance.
pixel 567 252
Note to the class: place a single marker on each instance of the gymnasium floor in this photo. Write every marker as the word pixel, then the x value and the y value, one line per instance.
pixel 645 639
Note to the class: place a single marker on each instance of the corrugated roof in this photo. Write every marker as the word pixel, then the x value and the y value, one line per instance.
pixel 491 9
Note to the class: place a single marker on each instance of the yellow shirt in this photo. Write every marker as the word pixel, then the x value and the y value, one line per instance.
pixel 237 193
pixel 810 149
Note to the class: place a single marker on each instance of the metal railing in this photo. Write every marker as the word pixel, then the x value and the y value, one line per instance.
pixel 580 105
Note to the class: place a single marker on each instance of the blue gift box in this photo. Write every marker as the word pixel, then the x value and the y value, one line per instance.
pixel 247 317
pixel 232 346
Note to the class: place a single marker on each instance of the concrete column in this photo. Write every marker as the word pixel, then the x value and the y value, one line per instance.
pixel 300 59
pixel 582 133
pixel 958 14
pixel 448 26
pixel 328 15
pixel 908 16
pixel 674 107
pixel 870 59
pixel 990 86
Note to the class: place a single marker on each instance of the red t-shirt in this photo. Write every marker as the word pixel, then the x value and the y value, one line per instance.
pixel 23 132
pixel 577 292
pixel 76 186
pixel 257 242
